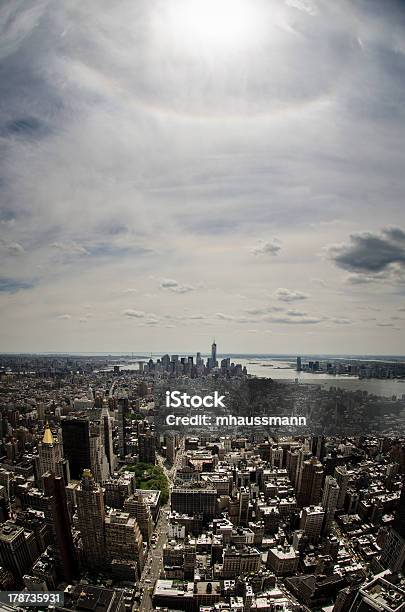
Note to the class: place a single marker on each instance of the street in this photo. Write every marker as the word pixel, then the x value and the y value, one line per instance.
pixel 154 560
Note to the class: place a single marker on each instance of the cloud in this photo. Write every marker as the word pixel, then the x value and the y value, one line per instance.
pixel 103 158
pixel 296 320
pixel 286 295
pixel 319 281
pixel 12 285
pixel 70 248
pixel 64 316
pixel 307 6
pixel 225 317
pixel 341 321
pixel 130 290
pixel 271 247
pixel 364 279
pixel 370 253
pixel 173 285
pixel 151 321
pixel 133 314
pixel 12 248
pixel 295 313
pixel 264 310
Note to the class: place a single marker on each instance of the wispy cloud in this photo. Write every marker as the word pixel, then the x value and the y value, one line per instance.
pixel 172 285
pixel 133 314
pixel 71 248
pixel 288 295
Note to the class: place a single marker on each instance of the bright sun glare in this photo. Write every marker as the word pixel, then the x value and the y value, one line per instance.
pixel 213 24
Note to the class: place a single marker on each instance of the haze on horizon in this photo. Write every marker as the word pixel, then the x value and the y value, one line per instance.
pixel 175 171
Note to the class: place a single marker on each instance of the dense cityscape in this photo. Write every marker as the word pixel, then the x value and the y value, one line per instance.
pixel 98 504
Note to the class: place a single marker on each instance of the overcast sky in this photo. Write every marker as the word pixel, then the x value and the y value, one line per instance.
pixel 175 170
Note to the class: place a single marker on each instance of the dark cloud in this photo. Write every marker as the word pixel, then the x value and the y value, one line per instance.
pixel 370 253
pixel 24 127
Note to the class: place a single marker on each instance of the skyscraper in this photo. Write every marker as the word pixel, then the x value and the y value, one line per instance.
pixel 213 360
pixel 122 417
pixel 91 515
pixel 309 483
pixel 329 501
pixel 98 460
pixel 76 445
pixel 147 447
pixel 107 436
pixel 50 457
pixel 57 518
pixel 342 477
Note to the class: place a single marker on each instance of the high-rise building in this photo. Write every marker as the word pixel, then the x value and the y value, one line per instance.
pixel 393 554
pixel 137 508
pixel 50 458
pixel 91 515
pixel 243 516
pixel 299 364
pixel 118 489
pixel 14 552
pixel 123 539
pixel 98 460
pixel 303 454
pixel 76 445
pixel 213 358
pixel 329 501
pixel 194 501
pixel 276 456
pixel 310 482
pixel 107 437
pixel 122 410
pixel 147 447
pixel 311 522
pixel 57 518
pixel 342 477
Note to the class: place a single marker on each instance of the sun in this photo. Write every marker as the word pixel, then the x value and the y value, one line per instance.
pixel 212 25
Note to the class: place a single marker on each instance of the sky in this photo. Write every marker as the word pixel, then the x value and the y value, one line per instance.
pixel 174 171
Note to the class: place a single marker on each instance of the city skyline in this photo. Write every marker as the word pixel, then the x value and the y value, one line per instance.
pixel 170 175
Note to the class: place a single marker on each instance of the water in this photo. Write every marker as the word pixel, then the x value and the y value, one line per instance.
pixel 283 368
